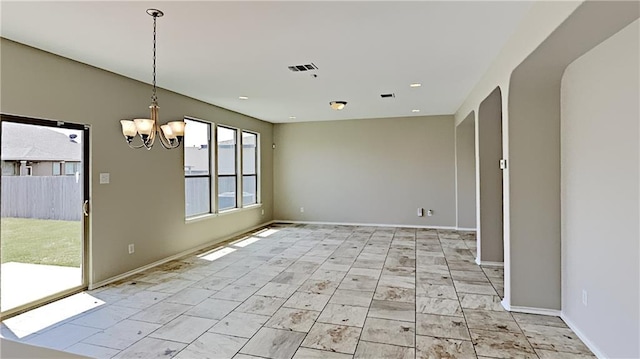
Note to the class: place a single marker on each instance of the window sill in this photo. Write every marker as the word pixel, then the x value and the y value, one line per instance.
pixel 220 214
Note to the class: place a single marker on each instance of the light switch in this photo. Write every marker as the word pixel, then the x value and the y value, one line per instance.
pixel 104 178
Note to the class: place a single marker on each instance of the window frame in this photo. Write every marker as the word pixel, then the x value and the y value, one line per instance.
pixel 257 168
pixel 210 176
pixel 237 167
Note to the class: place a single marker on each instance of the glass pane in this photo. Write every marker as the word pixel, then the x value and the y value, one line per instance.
pixel 41 229
pixel 197 195
pixel 250 190
pixel 227 192
pixel 249 142
pixel 226 151
pixel 196 148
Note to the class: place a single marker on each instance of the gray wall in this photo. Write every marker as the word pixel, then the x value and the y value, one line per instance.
pixel 489 153
pixel 377 171
pixel 600 155
pixel 144 203
pixel 466 172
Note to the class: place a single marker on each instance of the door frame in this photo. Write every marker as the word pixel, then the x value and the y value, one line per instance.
pixel 86 218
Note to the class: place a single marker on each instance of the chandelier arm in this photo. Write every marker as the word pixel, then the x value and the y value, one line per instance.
pixel 135 147
pixel 169 144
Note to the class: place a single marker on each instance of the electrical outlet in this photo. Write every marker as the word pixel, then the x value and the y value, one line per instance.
pixel 263 212
pixel 301 209
pixel 132 249
pixel 584 297
pixel 420 212
pixel 430 213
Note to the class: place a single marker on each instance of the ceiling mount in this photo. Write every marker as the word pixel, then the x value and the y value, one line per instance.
pixel 155 12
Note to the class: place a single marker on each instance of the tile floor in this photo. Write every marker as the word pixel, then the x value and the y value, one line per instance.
pixel 306 291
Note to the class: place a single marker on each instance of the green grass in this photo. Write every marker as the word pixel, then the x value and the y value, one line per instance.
pixel 39 241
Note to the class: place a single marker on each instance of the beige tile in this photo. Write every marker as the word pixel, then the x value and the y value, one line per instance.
pixel 389 332
pixel 291 278
pixel 548 354
pixel 213 308
pixel 395 294
pixel 397 281
pixel 474 288
pixel 122 335
pixel 299 320
pixel 103 318
pixel 436 291
pixel 437 348
pixel 442 326
pixel 142 299
pixel 240 324
pixel 211 345
pixel 481 302
pixel 184 329
pixel 554 338
pixel 258 304
pixel 235 292
pixel 161 313
pixel 306 353
pixel 274 343
pixel 331 337
pixel 190 296
pixel 352 297
pixel 343 315
pixel 172 286
pixel 501 344
pixel 92 351
pixel 536 319
pixel 277 290
pixel 358 282
pixel 213 283
pixel 491 320
pixel 392 310
pixel 439 306
pixel 319 286
pixel 62 336
pixel 470 276
pixel 307 301
pixel 332 275
pixel 367 350
pixel 151 348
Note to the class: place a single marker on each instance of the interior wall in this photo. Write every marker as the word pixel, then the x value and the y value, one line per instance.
pixel 466 173
pixel 376 171
pixel 489 177
pixel 534 153
pixel 144 203
pixel 600 156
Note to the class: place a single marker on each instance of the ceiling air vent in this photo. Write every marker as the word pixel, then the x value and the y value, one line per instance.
pixel 387 95
pixel 308 67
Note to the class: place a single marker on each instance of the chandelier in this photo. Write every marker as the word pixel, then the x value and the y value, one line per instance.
pixel 171 134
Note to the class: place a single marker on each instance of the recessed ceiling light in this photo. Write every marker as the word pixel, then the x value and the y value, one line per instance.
pixel 243 97
pixel 337 105
pixel 292 117
pixel 415 85
pixel 415 110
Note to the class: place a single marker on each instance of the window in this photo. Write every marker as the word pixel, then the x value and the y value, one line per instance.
pixel 227 168
pixel 249 168
pixel 197 168
pixel 56 168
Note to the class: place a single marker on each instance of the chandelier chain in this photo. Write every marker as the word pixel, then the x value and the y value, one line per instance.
pixel 154 98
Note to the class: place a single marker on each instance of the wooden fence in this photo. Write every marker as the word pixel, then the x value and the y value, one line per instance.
pixel 55 197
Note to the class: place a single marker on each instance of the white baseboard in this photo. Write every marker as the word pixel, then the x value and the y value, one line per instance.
pixel 466 229
pixel 173 257
pixel 583 337
pixel 490 264
pixel 531 310
pixel 364 224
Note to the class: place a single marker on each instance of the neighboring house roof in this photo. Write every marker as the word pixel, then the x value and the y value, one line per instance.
pixel 36 143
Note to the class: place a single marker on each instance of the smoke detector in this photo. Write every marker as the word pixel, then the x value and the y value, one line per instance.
pixel 337 105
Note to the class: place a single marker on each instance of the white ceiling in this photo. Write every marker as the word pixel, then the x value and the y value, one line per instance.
pixel 217 51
